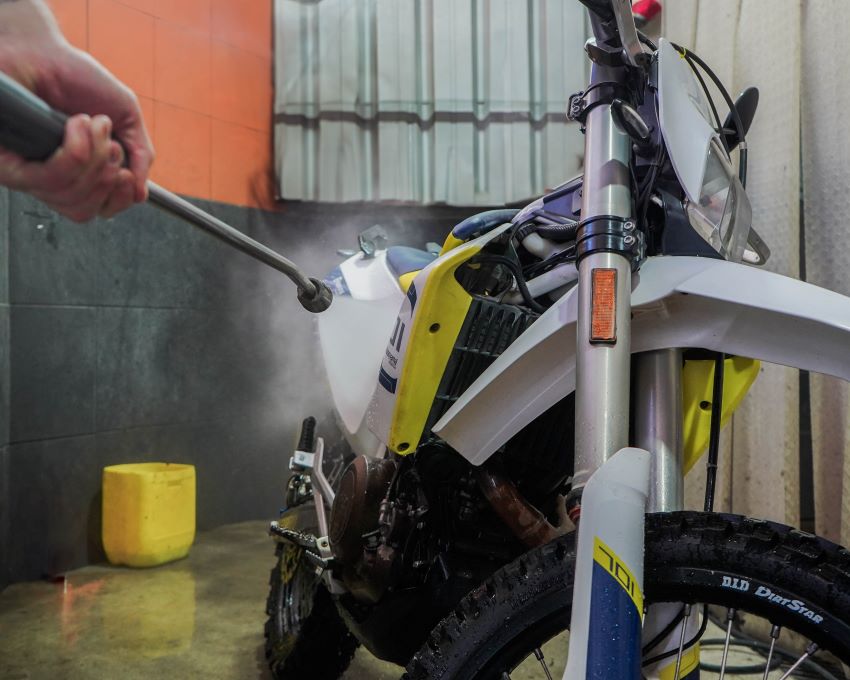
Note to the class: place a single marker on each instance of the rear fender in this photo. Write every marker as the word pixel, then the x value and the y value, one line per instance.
pixel 676 302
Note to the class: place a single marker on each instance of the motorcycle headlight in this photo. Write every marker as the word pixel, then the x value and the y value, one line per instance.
pixel 723 214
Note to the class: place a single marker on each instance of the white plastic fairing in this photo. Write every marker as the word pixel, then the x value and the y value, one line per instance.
pixel 684 117
pixel 676 302
pixel 370 278
pixel 353 334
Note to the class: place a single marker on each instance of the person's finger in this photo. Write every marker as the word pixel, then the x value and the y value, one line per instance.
pixel 62 169
pixel 88 207
pixel 11 171
pixel 123 195
pixel 85 178
pixel 101 168
pixel 137 142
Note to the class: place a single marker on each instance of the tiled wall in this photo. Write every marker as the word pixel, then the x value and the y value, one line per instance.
pixel 202 70
pixel 4 385
pixel 139 339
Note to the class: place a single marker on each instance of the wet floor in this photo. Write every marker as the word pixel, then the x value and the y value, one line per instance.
pixel 201 617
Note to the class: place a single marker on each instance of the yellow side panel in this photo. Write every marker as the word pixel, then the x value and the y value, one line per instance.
pixel 440 312
pixel 690 662
pixel 405 280
pixel 697 384
pixel 450 243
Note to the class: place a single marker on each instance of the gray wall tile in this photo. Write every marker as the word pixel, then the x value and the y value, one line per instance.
pixel 152 366
pixel 52 363
pixel 52 259
pixel 4 245
pixel 4 375
pixel 4 518
pixel 54 506
pixel 147 258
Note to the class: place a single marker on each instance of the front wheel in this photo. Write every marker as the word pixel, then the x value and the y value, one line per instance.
pixel 752 571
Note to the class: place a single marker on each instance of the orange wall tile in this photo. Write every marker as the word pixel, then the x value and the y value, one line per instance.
pixel 243 87
pixel 240 154
pixel 146 6
pixel 73 19
pixel 182 67
pixel 182 141
pixel 122 38
pixel 202 70
pixel 195 14
pixel 244 23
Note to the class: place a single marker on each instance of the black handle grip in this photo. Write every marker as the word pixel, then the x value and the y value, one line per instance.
pixel 28 126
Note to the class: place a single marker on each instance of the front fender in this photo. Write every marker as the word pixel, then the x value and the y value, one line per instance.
pixel 676 302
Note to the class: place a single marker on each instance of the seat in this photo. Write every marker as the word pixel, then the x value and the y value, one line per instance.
pixel 405 262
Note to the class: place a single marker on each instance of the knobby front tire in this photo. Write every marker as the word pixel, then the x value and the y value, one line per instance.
pixel 793 579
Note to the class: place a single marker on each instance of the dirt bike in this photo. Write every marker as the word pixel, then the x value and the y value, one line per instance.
pixel 564 364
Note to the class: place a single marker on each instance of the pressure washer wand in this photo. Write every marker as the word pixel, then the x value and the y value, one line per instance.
pixel 31 128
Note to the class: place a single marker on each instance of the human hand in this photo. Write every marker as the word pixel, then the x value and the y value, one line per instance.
pixel 85 177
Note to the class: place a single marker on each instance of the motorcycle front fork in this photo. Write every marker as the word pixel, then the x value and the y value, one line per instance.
pixel 609 631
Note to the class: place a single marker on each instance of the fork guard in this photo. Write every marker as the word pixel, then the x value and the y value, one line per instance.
pixel 676 302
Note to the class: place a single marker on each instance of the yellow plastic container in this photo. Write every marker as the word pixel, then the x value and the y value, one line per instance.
pixel 148 513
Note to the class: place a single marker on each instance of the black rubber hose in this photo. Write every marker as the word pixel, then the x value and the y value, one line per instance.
pixel 516 270
pixel 560 233
pixel 739 125
pixel 714 431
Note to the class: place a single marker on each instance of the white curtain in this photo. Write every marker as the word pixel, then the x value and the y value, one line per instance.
pixel 799 146
pixel 426 101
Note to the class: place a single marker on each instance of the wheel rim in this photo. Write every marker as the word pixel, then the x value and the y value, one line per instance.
pixel 726 652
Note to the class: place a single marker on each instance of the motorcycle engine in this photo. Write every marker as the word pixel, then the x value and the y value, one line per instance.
pixel 354 532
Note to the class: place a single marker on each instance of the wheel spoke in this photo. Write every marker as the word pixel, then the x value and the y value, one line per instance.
pixel 810 650
pixel 538 654
pixel 774 636
pixel 730 614
pixel 682 640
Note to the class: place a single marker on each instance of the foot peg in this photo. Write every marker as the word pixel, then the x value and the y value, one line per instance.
pixel 316 550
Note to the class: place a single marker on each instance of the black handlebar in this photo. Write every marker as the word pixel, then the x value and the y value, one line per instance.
pixel 601 8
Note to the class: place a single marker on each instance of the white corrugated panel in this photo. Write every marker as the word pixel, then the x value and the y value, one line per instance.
pixel 426 101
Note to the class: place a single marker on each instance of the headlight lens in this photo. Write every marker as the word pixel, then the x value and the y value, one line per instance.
pixel 723 215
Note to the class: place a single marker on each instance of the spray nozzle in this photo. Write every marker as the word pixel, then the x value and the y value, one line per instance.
pixel 317 300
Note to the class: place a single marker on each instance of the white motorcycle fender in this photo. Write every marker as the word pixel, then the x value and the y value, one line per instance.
pixel 676 302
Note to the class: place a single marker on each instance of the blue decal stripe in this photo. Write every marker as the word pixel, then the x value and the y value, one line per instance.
pixel 613 647
pixel 387 381
pixel 411 295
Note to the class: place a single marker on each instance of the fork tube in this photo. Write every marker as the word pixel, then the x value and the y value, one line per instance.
pixel 658 425
pixel 658 428
pixel 602 370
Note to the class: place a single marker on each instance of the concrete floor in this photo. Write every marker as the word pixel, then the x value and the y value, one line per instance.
pixel 201 617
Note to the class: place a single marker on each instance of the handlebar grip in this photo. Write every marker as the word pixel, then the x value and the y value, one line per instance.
pixel 28 126
pixel 307 441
